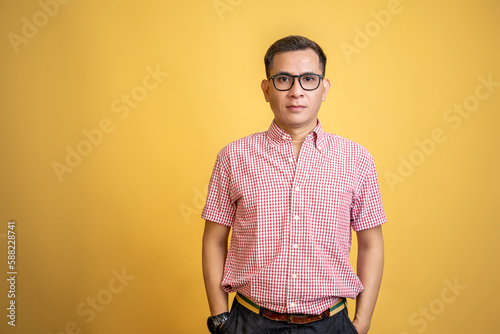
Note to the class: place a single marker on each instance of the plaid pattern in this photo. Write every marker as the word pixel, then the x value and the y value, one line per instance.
pixel 291 220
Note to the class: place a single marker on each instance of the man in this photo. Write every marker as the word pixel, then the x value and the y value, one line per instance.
pixel 291 196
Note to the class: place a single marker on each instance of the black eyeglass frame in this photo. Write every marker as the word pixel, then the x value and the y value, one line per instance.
pixel 293 82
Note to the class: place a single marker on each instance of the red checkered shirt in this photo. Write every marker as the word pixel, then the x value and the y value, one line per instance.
pixel 291 219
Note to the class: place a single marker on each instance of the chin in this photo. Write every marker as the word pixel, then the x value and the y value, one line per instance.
pixel 299 118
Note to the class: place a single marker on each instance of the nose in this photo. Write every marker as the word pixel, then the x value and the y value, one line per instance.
pixel 296 90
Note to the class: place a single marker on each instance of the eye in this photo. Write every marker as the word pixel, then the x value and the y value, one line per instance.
pixel 283 78
pixel 309 78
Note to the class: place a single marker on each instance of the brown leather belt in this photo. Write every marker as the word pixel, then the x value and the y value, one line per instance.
pixel 290 318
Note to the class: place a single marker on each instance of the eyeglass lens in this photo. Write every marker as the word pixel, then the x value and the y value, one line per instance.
pixel 307 81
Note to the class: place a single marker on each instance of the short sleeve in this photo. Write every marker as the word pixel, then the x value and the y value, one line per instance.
pixel 366 209
pixel 219 207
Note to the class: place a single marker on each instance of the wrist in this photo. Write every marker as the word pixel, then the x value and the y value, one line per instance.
pixel 218 311
pixel 362 326
pixel 362 319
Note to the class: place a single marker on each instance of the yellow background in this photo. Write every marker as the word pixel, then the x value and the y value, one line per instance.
pixel 133 203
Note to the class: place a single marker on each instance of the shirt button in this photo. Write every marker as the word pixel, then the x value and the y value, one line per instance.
pixel 296 217
pixel 295 246
pixel 292 304
pixel 290 159
pixel 294 276
pixel 297 188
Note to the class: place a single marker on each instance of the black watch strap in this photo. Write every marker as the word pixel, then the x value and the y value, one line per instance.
pixel 216 321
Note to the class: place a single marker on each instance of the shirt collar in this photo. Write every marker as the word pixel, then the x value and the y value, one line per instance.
pixel 277 136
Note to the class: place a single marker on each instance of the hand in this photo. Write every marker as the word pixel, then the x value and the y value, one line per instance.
pixel 361 328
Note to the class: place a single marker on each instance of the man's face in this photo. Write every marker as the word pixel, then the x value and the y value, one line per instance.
pixel 295 109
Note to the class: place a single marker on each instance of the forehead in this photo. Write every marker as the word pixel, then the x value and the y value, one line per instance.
pixel 296 62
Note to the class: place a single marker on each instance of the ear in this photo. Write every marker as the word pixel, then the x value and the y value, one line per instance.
pixel 326 88
pixel 265 89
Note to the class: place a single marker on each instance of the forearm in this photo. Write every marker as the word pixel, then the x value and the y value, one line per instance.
pixel 369 269
pixel 213 258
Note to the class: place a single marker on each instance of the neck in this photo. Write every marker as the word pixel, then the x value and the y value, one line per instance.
pixel 300 133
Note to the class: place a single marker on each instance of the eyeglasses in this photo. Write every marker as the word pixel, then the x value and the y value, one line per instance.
pixel 307 81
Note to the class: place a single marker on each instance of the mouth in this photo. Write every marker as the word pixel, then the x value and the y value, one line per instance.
pixel 294 107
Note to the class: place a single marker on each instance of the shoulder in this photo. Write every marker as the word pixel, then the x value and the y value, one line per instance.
pixel 243 145
pixel 341 145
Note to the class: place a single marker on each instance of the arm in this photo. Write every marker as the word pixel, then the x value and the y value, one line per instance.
pixel 370 266
pixel 214 255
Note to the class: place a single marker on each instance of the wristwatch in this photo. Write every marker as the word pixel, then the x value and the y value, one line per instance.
pixel 214 323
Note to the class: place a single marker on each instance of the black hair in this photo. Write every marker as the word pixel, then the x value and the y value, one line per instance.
pixel 293 43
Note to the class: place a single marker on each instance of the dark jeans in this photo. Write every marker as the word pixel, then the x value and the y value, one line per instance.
pixel 244 321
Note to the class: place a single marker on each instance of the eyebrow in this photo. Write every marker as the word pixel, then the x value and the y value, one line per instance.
pixel 286 73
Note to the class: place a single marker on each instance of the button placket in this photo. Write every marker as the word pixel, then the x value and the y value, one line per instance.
pixel 296 222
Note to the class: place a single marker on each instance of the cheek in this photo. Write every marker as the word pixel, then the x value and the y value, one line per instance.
pixel 315 101
pixel 275 103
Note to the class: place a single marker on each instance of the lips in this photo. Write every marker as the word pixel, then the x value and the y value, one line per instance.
pixel 296 107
